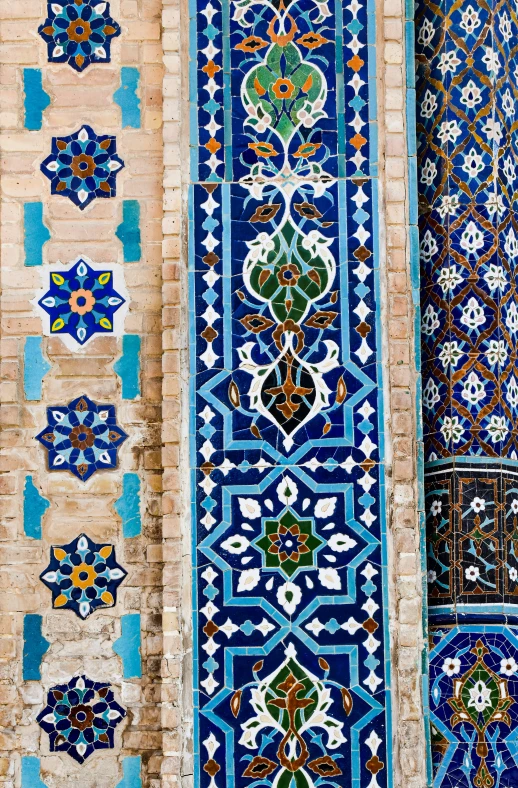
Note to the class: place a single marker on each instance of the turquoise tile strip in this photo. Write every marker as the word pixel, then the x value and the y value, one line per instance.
pixel 31 772
pixel 128 231
pixel 127 99
pixel 34 507
pixel 35 233
pixel 128 646
pixel 127 366
pixel 131 766
pixel 128 506
pixel 36 99
pixel 34 647
pixel 35 367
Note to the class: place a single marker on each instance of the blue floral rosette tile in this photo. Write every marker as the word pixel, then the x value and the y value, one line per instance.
pixel 81 437
pixel 83 166
pixel 80 717
pixel 82 300
pixel 83 576
pixel 79 33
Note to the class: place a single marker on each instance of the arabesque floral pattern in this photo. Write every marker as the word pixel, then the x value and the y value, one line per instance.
pixel 287 464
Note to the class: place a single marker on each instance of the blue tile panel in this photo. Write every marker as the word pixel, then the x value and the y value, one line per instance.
pixel 131 766
pixel 466 94
pixel 289 550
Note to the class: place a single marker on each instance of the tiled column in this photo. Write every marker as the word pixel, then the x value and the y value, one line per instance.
pixel 467 159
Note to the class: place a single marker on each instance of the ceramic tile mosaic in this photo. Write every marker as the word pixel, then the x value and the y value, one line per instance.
pixel 81 437
pixel 82 300
pixel 467 90
pixel 80 717
pixel 83 166
pixel 83 576
pixel 78 32
pixel 289 553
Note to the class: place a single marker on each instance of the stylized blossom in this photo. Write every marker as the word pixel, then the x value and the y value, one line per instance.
pixel 248 579
pixel 496 277
pixel 430 321
pixel 472 573
pixel 428 104
pixel 448 62
pixel 78 32
pixel 449 205
pixel 325 507
pixel 497 351
pixel 83 166
pixel 428 172
pixel 449 278
pixel 83 576
pixel 81 301
pixel 283 88
pixel 80 717
pixel 497 428
pixel 474 389
pixel 430 394
pixel 448 131
pixel 452 429
pixel 236 544
pixel 471 95
pixel 478 504
pixel 329 578
pixel 250 508
pixel 451 666
pixel 480 697
pixel 436 507
pixel 426 32
pixel 289 596
pixel 82 437
pixel 472 314
pixel 508 667
pixel 450 354
pixel 491 61
pixel 470 20
pixel 513 574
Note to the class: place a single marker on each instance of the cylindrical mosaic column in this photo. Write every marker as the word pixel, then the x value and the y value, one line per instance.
pixel 467 178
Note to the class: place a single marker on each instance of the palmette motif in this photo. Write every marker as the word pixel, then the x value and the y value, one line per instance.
pixel 288 548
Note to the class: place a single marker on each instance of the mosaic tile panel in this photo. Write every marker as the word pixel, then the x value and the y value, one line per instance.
pixel 466 104
pixel 288 491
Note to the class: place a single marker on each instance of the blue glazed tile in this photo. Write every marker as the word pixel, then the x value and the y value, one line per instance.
pixel 81 437
pixel 289 566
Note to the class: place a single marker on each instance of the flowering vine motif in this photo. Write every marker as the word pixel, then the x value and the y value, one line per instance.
pixel 78 33
pixel 83 576
pixel 81 301
pixel 80 717
pixel 82 437
pixel 83 166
